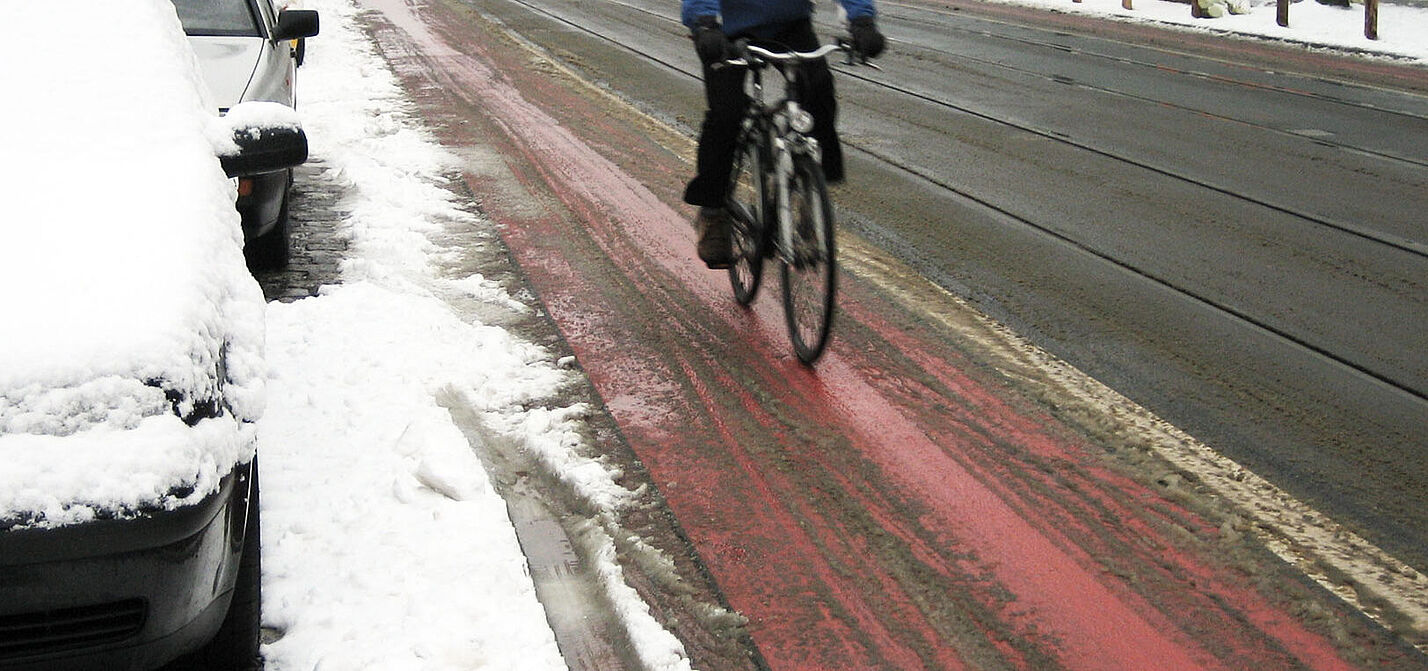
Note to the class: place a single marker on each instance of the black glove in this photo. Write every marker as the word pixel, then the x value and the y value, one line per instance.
pixel 866 39
pixel 709 40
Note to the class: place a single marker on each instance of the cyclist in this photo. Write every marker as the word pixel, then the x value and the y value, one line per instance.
pixel 786 22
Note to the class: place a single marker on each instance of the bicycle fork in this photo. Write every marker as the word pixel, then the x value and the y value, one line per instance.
pixel 783 169
pixel 784 148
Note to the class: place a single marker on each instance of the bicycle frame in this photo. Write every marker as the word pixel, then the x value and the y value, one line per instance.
pixel 784 124
pixel 779 197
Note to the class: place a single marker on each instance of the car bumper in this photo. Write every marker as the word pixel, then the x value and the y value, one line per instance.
pixel 121 594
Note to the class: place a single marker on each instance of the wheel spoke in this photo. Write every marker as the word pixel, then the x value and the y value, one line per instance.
pixel 809 269
pixel 747 205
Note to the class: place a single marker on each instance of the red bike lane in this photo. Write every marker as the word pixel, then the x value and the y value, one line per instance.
pixel 901 506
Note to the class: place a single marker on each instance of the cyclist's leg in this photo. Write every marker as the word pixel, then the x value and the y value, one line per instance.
pixel 725 100
pixel 724 95
pixel 818 97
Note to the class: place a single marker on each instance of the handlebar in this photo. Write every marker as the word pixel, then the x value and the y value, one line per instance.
pixel 756 55
pixel 787 56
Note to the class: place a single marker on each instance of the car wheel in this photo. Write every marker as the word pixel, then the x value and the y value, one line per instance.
pixel 269 251
pixel 235 646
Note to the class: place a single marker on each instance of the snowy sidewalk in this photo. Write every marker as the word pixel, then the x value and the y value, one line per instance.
pixel 386 545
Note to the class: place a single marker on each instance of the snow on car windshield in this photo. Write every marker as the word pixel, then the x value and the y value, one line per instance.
pixel 125 306
pixel 233 18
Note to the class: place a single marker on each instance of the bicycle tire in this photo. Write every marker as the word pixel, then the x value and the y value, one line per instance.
pixel 748 207
pixel 810 269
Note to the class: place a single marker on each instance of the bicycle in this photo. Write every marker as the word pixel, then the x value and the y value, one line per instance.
pixel 778 198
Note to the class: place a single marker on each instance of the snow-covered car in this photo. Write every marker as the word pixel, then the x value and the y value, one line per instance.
pixel 249 51
pixel 131 346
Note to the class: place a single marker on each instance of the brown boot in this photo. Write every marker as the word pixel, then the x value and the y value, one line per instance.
pixel 713 226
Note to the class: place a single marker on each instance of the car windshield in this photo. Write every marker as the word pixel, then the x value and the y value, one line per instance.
pixel 218 17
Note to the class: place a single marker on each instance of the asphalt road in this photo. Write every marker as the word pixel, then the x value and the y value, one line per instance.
pixel 1236 247
pixel 1231 233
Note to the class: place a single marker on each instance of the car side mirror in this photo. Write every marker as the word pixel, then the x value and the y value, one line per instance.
pixel 259 137
pixel 295 24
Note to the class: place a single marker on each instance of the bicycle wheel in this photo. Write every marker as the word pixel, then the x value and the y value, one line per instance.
pixel 747 205
pixel 809 268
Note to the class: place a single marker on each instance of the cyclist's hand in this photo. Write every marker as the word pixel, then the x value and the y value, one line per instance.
pixel 867 40
pixel 710 41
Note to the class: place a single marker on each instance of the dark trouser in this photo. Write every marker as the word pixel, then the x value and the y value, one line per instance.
pixel 724 95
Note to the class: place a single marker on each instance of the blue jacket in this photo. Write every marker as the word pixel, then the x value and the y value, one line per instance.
pixel 746 16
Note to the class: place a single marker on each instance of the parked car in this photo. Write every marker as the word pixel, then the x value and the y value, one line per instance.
pixel 249 51
pixel 131 338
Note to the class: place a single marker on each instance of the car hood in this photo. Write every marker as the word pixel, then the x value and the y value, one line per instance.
pixel 228 64
pixel 131 368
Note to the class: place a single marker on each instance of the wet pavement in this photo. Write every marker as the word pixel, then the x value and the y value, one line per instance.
pixel 317 245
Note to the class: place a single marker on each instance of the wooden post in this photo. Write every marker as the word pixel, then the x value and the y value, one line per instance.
pixel 1126 4
pixel 1371 19
pixel 1282 16
pixel 1195 11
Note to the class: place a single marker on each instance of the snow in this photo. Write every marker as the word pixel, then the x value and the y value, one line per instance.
pixel 385 544
pixel 1401 28
pixel 253 117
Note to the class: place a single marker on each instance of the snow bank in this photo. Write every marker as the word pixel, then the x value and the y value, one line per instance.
pixel 385 546
pixel 1401 28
